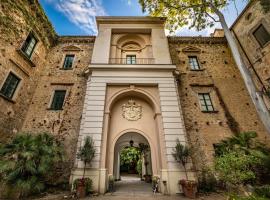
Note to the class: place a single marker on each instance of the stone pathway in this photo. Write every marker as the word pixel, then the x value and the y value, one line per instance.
pixel 132 188
pixel 132 185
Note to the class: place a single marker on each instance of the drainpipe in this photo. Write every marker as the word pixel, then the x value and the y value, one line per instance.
pixel 250 63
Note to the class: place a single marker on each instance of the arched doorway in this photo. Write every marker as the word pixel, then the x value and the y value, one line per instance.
pixel 132 164
pixel 144 126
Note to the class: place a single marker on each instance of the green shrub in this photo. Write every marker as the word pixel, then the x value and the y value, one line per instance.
pixel 252 197
pixel 206 181
pixel 27 160
pixel 263 191
pixel 245 157
pixel 235 167
pixel 88 184
pixel 139 167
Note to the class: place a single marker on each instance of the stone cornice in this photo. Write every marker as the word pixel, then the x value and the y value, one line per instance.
pixel 197 40
pixel 129 20
pixel 76 39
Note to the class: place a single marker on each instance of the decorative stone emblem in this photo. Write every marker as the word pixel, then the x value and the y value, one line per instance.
pixel 132 111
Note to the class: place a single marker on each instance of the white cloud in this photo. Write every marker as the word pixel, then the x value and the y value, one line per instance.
pixel 81 12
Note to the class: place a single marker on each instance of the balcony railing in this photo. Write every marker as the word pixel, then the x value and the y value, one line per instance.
pixel 137 61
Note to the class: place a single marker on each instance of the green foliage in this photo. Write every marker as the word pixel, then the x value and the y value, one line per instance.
pixel 263 191
pixel 193 13
pixel 244 141
pixel 252 197
pixel 247 144
pixel 86 181
pixel 235 167
pixel 27 160
pixel 87 152
pixel 206 181
pixel 129 155
pixel 265 5
pixel 139 167
pixel 181 153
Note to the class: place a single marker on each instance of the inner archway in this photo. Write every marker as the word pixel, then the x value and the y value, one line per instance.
pixel 132 164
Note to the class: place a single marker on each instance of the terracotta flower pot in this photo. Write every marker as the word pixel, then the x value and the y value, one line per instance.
pixel 81 193
pixel 189 188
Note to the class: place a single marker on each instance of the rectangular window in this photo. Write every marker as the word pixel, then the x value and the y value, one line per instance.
pixel 58 99
pixel 205 101
pixel 193 63
pixel 29 45
pixel 10 85
pixel 131 59
pixel 261 35
pixel 68 62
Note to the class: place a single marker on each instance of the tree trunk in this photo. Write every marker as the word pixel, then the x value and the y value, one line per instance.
pixel 184 165
pixel 256 95
pixel 84 169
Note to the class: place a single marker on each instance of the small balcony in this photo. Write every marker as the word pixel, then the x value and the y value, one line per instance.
pixel 134 61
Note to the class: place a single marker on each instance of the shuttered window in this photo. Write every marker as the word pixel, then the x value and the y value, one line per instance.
pixel 29 45
pixel 193 63
pixel 205 101
pixel 131 59
pixel 68 62
pixel 10 85
pixel 58 99
pixel 262 35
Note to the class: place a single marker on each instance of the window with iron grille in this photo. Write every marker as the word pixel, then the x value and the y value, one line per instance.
pixel 68 61
pixel 193 63
pixel 131 59
pixel 58 99
pixel 10 85
pixel 205 101
pixel 29 45
pixel 262 35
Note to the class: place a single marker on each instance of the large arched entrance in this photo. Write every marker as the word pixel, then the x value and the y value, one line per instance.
pixel 132 164
pixel 132 115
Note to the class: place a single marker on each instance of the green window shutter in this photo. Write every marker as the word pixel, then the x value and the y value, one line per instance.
pixel 205 101
pixel 68 62
pixel 58 99
pixel 10 86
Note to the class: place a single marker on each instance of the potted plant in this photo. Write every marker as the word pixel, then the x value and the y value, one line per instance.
pixel 86 154
pixel 144 149
pixel 111 183
pixel 181 154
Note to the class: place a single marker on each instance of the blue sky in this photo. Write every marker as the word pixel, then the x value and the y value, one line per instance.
pixel 77 17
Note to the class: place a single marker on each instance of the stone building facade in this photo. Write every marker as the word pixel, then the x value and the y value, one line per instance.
pixel 130 82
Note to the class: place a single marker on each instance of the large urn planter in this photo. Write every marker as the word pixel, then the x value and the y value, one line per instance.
pixel 189 188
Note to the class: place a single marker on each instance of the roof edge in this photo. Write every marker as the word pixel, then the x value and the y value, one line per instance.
pixel 243 12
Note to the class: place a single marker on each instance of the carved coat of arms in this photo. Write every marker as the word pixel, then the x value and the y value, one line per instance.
pixel 132 111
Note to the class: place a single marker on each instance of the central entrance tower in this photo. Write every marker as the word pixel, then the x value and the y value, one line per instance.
pixel 131 89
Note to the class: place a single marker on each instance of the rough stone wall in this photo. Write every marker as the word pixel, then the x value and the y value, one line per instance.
pixel 234 111
pixel 64 124
pixel 254 55
pixel 17 19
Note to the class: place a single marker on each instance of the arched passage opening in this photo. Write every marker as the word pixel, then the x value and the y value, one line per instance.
pixel 132 163
pixel 135 162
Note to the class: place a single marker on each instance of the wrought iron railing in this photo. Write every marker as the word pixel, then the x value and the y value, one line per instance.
pixel 137 61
